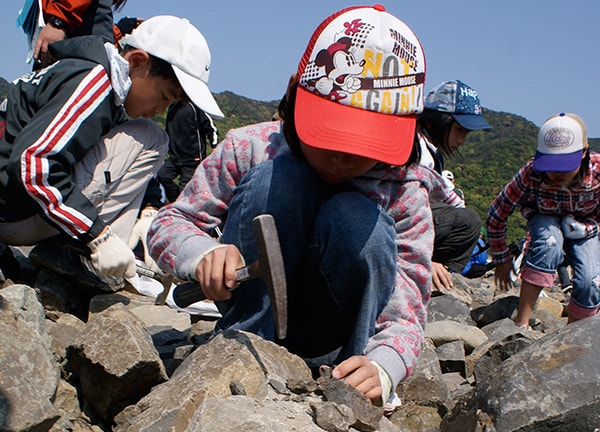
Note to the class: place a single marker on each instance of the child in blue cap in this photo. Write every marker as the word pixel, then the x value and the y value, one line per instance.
pixel 452 110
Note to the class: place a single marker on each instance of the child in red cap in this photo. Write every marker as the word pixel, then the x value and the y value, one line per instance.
pixel 351 211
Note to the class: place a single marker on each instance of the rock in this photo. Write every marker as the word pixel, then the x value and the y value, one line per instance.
pixel 242 413
pixel 416 418
pixel 551 305
pixel 342 393
pixel 441 332
pixel 451 356
pixel 448 307
pixel 29 374
pixel 119 362
pixel 425 386
pixel 112 375
pixel 504 307
pixel 207 373
pixel 553 382
pixel 333 417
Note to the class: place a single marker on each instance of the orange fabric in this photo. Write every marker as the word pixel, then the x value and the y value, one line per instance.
pixel 70 11
pixel 118 34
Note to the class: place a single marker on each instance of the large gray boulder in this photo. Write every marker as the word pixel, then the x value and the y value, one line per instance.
pixel 551 385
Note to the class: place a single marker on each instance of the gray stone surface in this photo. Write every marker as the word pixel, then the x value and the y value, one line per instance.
pixel 117 362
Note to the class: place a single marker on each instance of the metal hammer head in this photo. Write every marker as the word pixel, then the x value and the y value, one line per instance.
pixel 272 269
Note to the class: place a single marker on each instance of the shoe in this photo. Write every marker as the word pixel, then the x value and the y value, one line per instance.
pixel 566 288
pixel 61 255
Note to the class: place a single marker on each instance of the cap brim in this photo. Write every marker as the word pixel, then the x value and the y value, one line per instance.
pixel 332 126
pixel 557 163
pixel 472 121
pixel 198 92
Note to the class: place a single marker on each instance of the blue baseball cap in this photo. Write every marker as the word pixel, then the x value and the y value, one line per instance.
pixel 459 100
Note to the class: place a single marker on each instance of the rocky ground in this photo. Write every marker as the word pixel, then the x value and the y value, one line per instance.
pixel 119 362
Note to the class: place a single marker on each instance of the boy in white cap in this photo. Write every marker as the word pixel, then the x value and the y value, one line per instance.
pixel 71 168
pixel 352 212
pixel 558 192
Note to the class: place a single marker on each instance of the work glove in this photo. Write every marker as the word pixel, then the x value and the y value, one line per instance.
pixel 140 233
pixel 111 257
pixel 573 229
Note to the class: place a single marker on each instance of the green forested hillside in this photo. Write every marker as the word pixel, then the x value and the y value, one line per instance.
pixel 481 168
pixel 241 111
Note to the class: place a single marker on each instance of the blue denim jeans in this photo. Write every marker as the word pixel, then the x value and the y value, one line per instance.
pixel 339 253
pixel 547 251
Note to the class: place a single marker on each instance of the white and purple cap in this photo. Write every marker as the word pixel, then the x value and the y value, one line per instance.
pixel 561 142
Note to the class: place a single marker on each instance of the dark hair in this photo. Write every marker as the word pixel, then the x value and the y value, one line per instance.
pixel 285 110
pixel 435 126
pixel 585 163
pixel 286 113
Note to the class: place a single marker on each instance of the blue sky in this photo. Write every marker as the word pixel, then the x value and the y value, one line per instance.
pixel 531 58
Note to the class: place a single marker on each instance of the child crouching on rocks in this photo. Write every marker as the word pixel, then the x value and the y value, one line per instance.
pixel 558 192
pixel 352 215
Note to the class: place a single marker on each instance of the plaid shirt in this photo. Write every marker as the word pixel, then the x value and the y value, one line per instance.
pixel 533 193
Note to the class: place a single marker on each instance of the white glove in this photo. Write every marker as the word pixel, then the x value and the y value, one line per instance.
pixel 140 233
pixel 572 229
pixel 111 256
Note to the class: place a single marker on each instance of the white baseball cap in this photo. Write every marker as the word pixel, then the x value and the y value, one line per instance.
pixel 176 41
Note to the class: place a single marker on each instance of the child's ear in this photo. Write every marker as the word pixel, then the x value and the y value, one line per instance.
pixel 137 58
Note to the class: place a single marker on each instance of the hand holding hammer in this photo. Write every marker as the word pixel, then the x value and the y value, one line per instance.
pixel 269 266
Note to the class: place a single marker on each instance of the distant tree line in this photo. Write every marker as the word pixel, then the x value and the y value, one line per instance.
pixel 482 166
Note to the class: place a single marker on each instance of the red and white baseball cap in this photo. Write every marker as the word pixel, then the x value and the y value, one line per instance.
pixel 176 41
pixel 361 85
pixel 561 141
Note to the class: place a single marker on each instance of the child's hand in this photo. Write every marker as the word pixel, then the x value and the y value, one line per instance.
pixel 216 272
pixel 572 229
pixel 502 276
pixel 440 277
pixel 361 374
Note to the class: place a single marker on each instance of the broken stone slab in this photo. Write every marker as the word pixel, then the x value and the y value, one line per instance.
pixel 29 375
pixel 416 418
pixel 448 307
pixel 115 360
pixel 333 417
pixel 63 332
pixel 451 356
pixel 251 415
pixel 441 332
pixel 503 307
pixel 553 382
pixel 339 391
pixel 425 385
pixel 207 373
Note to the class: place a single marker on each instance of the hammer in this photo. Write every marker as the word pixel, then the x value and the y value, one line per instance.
pixel 165 279
pixel 269 266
